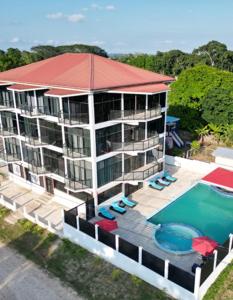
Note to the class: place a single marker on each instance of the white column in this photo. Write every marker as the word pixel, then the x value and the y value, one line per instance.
pixel 63 135
pixel 21 149
pixel 215 258
pixel 61 108
pixel 230 242
pixel 42 156
pixel 65 167
pixel 117 242
pixel 96 232
pixel 197 282
pixel 122 105
pixel 166 268
pixel 77 219
pixel 38 129
pixel 35 100
pixel 91 110
pixel 140 255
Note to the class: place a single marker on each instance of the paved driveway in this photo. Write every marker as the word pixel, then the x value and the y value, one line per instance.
pixel 21 279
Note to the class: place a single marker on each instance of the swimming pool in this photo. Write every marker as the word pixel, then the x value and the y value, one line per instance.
pixel 202 208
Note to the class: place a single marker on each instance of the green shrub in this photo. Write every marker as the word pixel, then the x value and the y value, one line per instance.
pixel 137 281
pixel 195 145
pixel 116 274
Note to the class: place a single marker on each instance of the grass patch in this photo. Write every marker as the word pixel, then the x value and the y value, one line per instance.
pixel 92 277
pixel 223 286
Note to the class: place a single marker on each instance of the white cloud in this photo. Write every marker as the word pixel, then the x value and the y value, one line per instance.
pixel 75 18
pixel 96 6
pixel 85 9
pixel 15 40
pixel 55 16
pixel 110 7
pixel 98 43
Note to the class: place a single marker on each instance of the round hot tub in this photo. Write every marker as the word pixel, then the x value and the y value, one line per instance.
pixel 176 237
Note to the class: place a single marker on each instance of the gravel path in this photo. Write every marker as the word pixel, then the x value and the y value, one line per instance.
pixel 21 279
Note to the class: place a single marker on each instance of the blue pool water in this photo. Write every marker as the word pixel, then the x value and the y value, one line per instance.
pixel 202 208
pixel 177 238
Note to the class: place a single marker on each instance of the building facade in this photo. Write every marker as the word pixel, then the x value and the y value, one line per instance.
pixel 83 127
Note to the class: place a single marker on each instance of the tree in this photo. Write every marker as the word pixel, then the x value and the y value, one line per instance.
pixel 213 51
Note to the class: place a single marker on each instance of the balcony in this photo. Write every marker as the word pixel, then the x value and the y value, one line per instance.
pixel 135 115
pixel 34 141
pixel 8 132
pixel 76 153
pixel 33 111
pixel 37 169
pixel 73 119
pixel 136 146
pixel 76 186
pixel 6 105
pixel 10 157
pixel 141 173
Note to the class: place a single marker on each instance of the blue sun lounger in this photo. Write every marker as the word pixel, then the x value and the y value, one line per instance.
pixel 155 186
pixel 117 208
pixel 168 177
pixel 128 202
pixel 105 213
pixel 163 182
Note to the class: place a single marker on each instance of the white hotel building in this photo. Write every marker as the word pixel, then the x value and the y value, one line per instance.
pixel 83 127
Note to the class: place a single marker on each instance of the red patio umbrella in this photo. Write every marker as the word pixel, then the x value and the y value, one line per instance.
pixel 204 245
pixel 107 225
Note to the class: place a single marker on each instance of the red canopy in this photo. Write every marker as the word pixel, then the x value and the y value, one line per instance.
pixel 204 245
pixel 107 225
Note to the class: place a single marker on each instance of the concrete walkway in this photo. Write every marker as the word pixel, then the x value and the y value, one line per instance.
pixel 21 279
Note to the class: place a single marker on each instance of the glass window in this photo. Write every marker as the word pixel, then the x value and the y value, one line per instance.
pixel 105 137
pixel 105 105
pixel 109 169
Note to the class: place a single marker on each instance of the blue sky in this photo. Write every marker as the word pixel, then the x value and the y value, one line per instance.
pixel 116 25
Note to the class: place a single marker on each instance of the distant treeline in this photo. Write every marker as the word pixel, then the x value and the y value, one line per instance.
pixel 13 57
pixel 173 62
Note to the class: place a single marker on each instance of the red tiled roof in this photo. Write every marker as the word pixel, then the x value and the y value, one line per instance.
pixel 82 71
pixel 62 92
pixel 144 89
pixel 24 87
pixel 221 177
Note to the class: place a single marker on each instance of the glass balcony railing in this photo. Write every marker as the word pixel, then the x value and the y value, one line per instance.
pixel 135 114
pixel 6 105
pixel 141 173
pixel 37 169
pixel 34 141
pixel 77 185
pixel 34 111
pixel 8 132
pixel 136 146
pixel 10 157
pixel 76 153
pixel 73 118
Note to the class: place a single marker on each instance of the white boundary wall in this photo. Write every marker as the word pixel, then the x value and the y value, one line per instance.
pixel 126 264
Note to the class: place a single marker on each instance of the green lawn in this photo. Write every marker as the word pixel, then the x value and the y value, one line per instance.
pixel 222 289
pixel 89 275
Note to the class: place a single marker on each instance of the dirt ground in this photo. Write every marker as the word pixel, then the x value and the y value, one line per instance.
pixel 21 279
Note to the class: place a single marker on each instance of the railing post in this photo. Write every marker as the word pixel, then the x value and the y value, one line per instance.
pixel 77 220
pixel 230 242
pixel 166 268
pixel 140 255
pixel 197 282
pixel 96 232
pixel 117 242
pixel 215 259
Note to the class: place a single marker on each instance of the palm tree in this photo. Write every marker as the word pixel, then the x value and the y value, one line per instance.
pixel 202 132
pixel 216 130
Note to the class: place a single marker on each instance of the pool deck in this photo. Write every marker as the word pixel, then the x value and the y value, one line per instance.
pixel 133 225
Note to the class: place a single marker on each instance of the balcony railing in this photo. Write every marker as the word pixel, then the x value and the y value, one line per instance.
pixel 135 114
pixel 76 153
pixel 77 185
pixel 8 132
pixel 37 169
pixel 10 157
pixel 6 105
pixel 136 146
pixel 33 111
pixel 35 141
pixel 73 118
pixel 141 173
